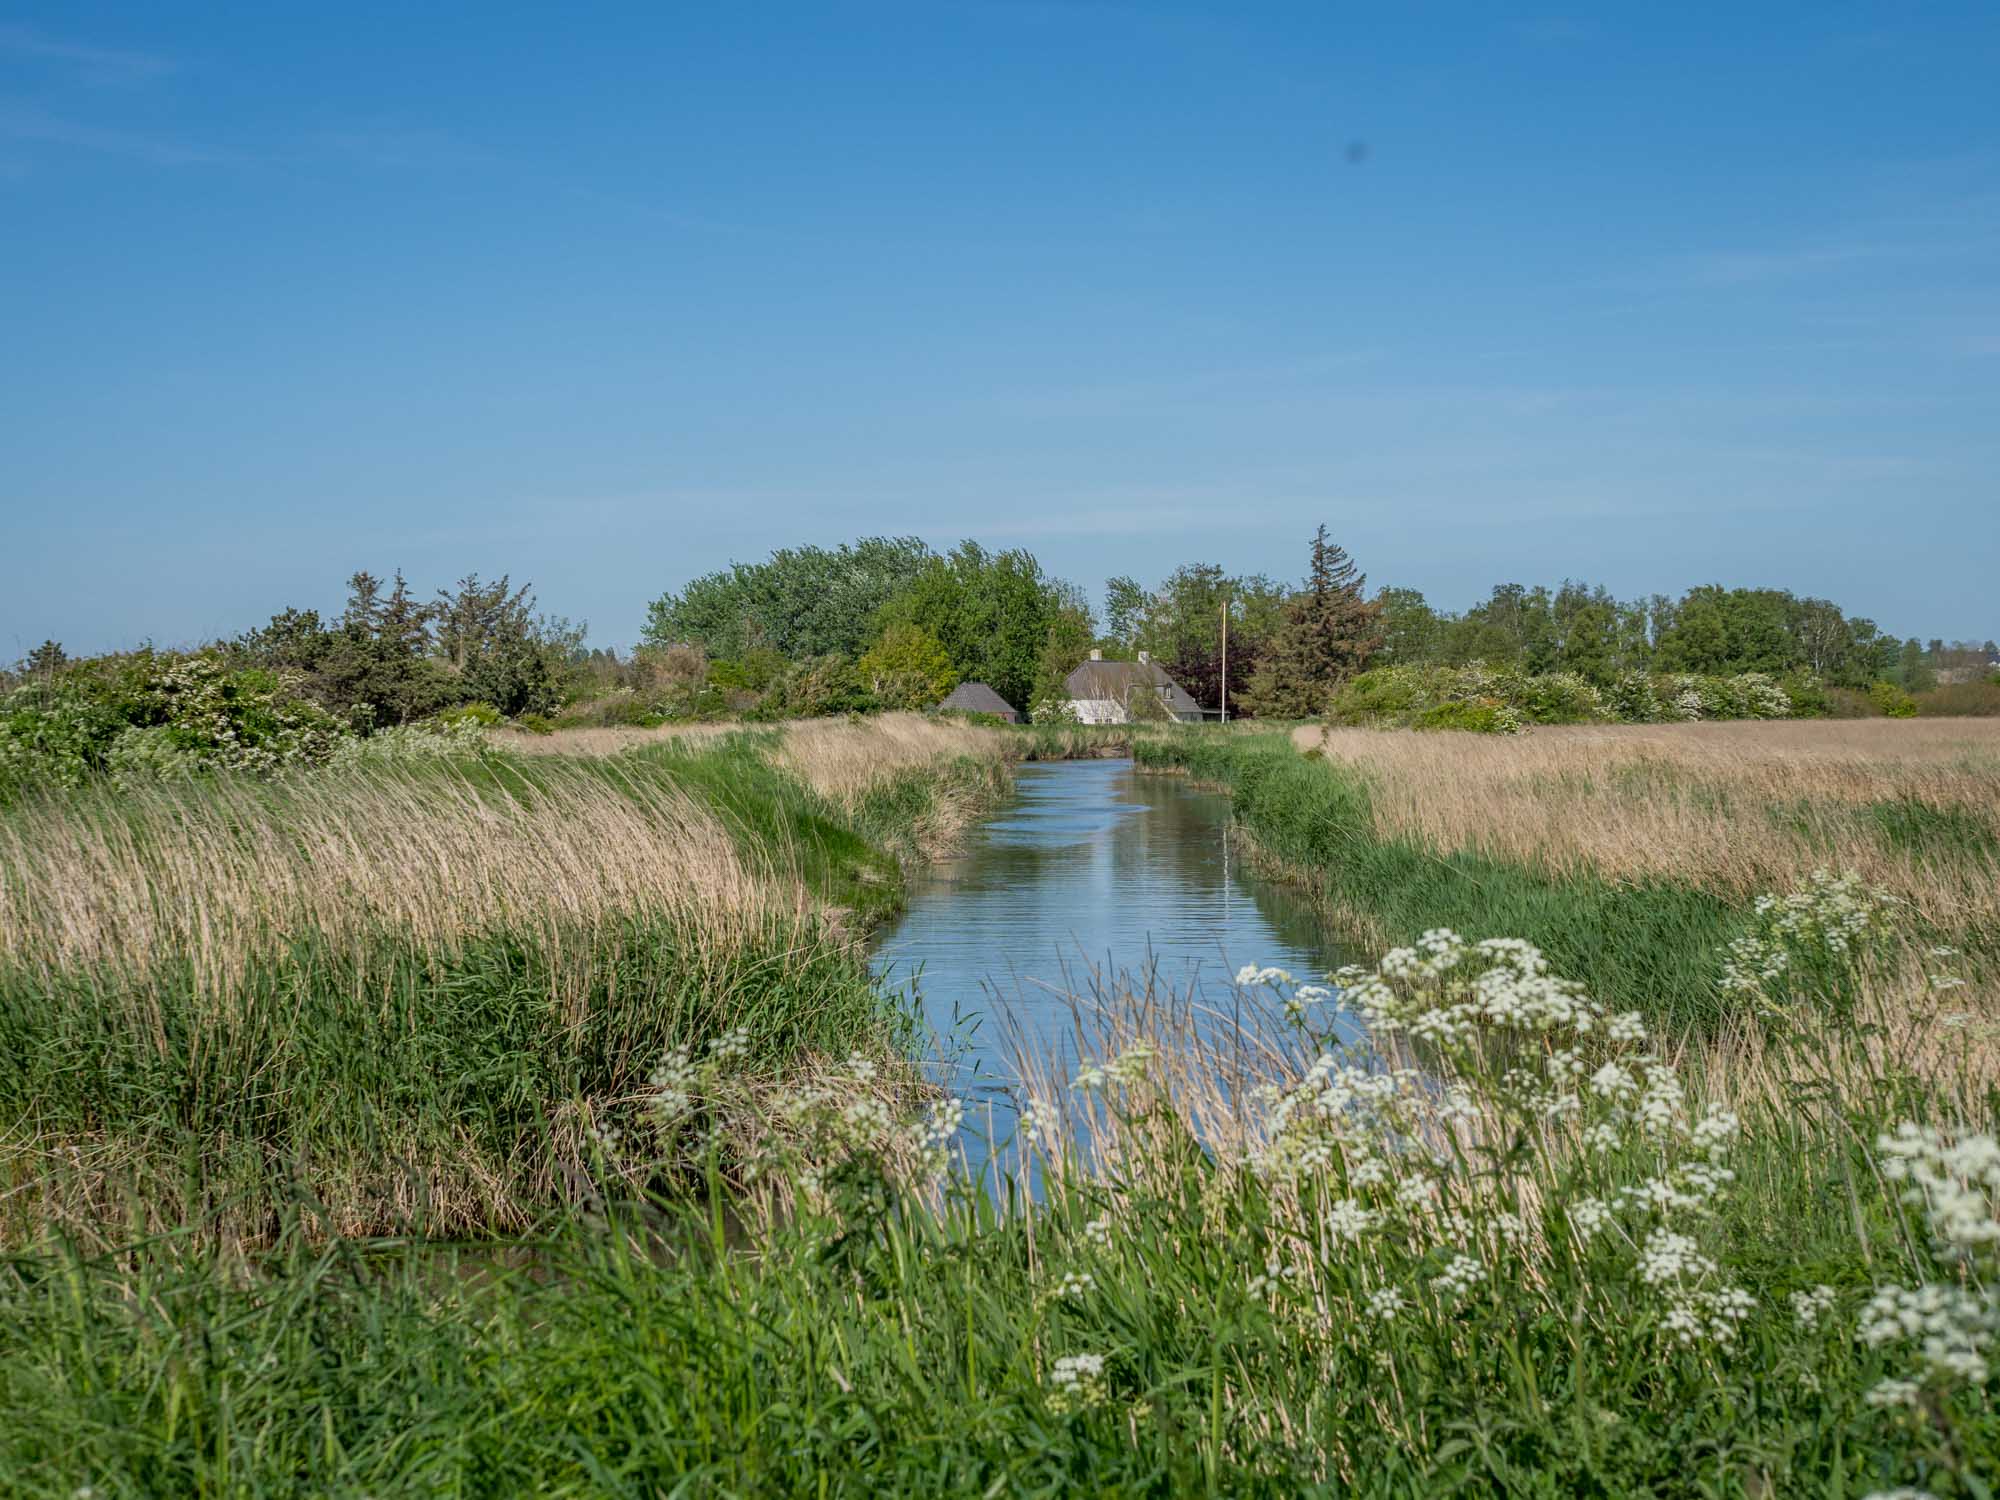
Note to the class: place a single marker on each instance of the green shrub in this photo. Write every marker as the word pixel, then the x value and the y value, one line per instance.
pixel 536 723
pixel 822 685
pixel 1961 700
pixel 1808 696
pixel 147 715
pixel 1486 716
pixel 1557 698
pixel 1385 693
pixel 483 714
pixel 1632 699
pixel 1893 701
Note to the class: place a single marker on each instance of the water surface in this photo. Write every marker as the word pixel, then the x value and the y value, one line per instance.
pixel 1091 871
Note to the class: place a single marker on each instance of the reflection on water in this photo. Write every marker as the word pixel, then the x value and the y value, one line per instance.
pixel 1091 870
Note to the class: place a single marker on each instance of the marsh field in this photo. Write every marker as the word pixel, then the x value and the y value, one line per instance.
pixel 528 1117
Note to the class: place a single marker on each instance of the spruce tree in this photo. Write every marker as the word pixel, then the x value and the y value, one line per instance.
pixel 1330 629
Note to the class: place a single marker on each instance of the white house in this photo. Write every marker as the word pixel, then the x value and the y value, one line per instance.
pixel 1105 692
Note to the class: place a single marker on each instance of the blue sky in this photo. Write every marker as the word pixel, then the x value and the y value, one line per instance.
pixel 607 296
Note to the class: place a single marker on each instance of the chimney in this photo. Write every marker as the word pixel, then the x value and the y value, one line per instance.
pixel 1144 657
pixel 1095 654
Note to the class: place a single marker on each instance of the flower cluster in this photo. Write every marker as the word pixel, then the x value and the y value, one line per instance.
pixel 1076 1382
pixel 1954 1180
pixel 1949 1327
pixel 1809 1306
pixel 1510 1051
pixel 1827 923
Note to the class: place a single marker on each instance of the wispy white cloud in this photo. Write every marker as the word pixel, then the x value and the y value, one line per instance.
pixel 30 123
pixel 102 65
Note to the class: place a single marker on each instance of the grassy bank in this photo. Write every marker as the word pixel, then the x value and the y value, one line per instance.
pixel 1361 1284
pixel 401 998
pixel 1632 856
pixel 1527 1243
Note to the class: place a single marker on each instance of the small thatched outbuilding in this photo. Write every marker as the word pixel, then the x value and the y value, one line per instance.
pixel 978 698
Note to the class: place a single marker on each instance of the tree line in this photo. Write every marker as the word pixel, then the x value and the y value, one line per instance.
pixel 887 622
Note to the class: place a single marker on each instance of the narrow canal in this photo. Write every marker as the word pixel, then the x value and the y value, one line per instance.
pixel 1093 875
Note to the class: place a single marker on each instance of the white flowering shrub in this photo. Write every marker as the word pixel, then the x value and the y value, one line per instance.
pixel 1506 699
pixel 148 717
pixel 430 739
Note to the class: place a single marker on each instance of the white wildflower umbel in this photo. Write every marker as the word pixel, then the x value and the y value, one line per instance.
pixel 1829 922
pixel 1076 1382
pixel 1809 1306
pixel 1460 1275
pixel 731 1046
pixel 1385 1303
pixel 1893 1392
pixel 1346 1220
pixel 1274 1276
pixel 1075 1285
pixel 673 1087
pixel 1041 1124
pixel 1947 1327
pixel 1129 1067
pixel 1510 1050
pixel 1589 1215
pixel 1954 1180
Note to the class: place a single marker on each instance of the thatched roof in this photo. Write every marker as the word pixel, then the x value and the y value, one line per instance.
pixel 978 698
pixel 1121 680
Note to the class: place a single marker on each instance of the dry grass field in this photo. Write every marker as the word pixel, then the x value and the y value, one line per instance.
pixel 1740 808
pixel 213 877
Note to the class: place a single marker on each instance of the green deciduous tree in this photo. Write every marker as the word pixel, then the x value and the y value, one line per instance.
pixel 1180 625
pixel 802 602
pixel 991 611
pixel 907 667
pixel 1412 632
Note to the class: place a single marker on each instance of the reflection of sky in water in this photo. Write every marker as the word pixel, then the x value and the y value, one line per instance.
pixel 1091 867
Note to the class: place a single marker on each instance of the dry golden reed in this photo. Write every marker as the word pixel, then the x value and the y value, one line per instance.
pixel 216 873
pixel 841 758
pixel 844 761
pixel 1738 808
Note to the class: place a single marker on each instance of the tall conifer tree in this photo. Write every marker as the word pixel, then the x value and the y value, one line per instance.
pixel 1330 629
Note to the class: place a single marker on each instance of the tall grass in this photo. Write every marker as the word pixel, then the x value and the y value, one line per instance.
pixel 1631 855
pixel 1730 808
pixel 1252 1272
pixel 400 998
pixel 1635 943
